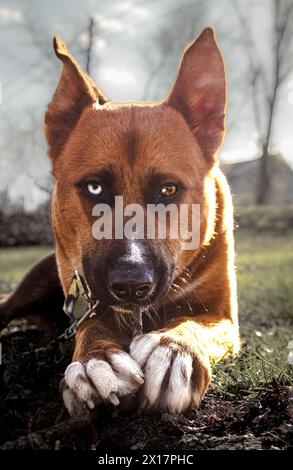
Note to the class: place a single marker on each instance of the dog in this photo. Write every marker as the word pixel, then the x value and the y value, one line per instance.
pixel 149 153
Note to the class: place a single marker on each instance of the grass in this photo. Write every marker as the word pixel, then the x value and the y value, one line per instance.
pixel 14 263
pixel 265 272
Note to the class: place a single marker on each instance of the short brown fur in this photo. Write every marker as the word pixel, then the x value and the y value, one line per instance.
pixel 179 136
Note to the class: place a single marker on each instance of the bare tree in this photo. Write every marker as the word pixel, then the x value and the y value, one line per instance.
pixel 26 140
pixel 163 53
pixel 89 51
pixel 267 78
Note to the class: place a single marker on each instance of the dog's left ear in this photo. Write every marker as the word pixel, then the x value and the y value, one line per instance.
pixel 75 92
pixel 199 92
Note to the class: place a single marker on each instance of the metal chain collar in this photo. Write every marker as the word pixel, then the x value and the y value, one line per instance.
pixel 80 305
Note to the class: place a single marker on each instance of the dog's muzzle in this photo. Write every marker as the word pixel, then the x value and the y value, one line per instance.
pixel 131 283
pixel 128 275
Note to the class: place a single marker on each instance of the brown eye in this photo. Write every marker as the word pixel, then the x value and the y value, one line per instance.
pixel 168 190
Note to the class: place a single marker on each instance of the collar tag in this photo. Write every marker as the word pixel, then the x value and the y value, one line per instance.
pixel 79 304
pixel 78 299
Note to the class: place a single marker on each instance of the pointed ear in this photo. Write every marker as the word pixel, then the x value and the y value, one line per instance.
pixel 199 92
pixel 75 92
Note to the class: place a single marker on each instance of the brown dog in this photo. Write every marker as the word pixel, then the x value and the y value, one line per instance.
pixel 149 153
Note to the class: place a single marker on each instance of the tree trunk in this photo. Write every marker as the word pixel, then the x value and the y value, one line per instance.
pixel 264 173
pixel 263 178
pixel 90 46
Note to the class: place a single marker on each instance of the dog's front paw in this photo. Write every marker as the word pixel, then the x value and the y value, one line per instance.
pixel 100 379
pixel 176 373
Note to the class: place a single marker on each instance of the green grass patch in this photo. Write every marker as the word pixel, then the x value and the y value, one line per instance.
pixel 261 365
pixel 15 262
pixel 265 272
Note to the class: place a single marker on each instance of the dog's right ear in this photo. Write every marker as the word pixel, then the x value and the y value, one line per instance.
pixel 199 93
pixel 75 92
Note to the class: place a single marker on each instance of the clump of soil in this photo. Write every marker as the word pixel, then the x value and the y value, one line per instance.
pixel 32 414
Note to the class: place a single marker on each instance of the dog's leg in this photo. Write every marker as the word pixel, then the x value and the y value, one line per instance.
pixel 177 359
pixel 100 372
pixel 39 293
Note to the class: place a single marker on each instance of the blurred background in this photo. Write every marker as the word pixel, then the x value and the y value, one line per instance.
pixel 132 49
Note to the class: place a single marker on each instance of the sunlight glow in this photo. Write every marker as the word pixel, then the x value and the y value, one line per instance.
pixel 118 76
pixel 9 16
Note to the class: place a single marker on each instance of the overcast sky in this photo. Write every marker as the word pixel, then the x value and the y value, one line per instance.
pixel 124 29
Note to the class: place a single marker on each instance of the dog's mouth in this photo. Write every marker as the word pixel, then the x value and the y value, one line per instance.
pixel 126 309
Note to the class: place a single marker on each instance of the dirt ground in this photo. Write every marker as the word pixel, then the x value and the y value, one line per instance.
pixel 29 387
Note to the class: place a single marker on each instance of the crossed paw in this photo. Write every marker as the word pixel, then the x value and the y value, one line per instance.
pixel 168 374
pixel 175 375
pixel 106 379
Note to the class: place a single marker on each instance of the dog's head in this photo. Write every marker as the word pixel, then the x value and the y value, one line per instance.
pixel 147 153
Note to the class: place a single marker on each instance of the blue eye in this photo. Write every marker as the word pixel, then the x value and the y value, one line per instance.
pixel 94 189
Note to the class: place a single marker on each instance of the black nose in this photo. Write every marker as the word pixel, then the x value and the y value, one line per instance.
pixel 129 283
